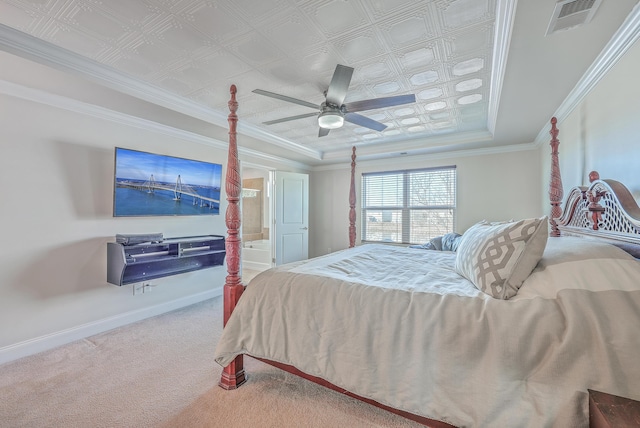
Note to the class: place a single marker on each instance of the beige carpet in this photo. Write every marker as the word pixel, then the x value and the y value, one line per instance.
pixel 160 373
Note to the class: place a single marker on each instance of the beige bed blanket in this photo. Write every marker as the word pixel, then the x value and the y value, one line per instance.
pixel 399 326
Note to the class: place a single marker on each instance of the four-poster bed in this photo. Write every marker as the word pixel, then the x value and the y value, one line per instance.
pixel 413 332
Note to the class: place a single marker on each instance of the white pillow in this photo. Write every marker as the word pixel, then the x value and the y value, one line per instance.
pixel 576 263
pixel 498 257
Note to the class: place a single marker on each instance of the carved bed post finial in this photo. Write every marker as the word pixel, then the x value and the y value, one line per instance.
pixel 233 375
pixel 352 201
pixel 594 196
pixel 555 184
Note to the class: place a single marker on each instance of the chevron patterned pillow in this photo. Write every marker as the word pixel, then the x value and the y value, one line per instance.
pixel 498 257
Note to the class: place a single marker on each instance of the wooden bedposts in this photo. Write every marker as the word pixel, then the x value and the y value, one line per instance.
pixel 555 184
pixel 352 201
pixel 233 375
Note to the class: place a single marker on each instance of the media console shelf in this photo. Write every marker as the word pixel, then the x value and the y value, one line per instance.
pixel 127 264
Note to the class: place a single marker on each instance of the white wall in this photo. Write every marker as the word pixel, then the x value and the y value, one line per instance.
pixel 57 173
pixel 490 186
pixel 57 170
pixel 603 132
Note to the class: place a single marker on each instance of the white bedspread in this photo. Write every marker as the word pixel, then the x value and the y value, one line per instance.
pixel 399 326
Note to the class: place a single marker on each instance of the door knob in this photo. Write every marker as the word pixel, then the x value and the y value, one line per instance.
pixel 304 228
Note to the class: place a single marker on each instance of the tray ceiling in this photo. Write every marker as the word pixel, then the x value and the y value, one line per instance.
pixel 451 54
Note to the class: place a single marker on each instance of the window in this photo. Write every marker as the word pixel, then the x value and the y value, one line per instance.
pixel 408 207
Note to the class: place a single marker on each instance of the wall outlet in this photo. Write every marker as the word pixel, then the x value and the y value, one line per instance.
pixel 329 250
pixel 138 288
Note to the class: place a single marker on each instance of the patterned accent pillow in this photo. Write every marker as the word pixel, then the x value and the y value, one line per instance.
pixel 498 257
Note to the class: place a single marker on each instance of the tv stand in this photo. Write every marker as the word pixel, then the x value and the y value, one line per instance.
pixel 128 264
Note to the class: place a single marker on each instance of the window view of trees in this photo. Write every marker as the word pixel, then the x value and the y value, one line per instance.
pixel 410 206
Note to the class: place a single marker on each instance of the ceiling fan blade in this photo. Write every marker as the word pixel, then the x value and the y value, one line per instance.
pixel 286 98
pixel 358 119
pixel 323 132
pixel 380 103
pixel 286 119
pixel 339 85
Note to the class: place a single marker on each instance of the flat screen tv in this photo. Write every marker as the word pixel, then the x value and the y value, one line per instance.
pixel 148 184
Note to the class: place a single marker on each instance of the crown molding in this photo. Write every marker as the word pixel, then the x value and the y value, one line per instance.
pixel 40 51
pixel 414 146
pixel 65 103
pixel 505 18
pixel 43 52
pixel 619 44
pixel 243 151
pixel 254 132
pixel 426 157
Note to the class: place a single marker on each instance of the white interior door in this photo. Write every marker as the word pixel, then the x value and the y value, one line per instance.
pixel 291 222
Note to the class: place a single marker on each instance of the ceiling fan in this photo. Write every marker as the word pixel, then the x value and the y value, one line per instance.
pixel 332 113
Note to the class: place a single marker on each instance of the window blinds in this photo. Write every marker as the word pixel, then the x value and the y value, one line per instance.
pixel 410 206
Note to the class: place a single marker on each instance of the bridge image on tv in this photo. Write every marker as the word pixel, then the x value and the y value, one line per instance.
pixel 137 196
pixel 179 189
pixel 151 197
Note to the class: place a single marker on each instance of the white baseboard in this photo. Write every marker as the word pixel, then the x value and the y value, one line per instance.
pixel 63 337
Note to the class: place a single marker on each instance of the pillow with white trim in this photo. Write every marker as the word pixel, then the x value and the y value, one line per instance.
pixel 498 257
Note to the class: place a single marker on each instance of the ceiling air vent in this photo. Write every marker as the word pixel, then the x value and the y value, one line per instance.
pixel 572 13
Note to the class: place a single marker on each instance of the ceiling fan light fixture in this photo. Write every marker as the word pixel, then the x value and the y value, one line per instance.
pixel 330 119
pixel 333 112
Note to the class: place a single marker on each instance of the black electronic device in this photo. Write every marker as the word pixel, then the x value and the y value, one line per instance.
pixel 138 238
